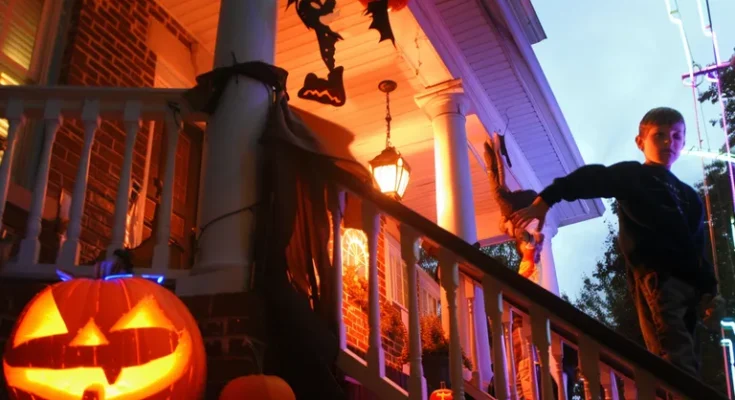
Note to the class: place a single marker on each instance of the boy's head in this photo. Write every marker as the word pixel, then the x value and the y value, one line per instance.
pixel 661 136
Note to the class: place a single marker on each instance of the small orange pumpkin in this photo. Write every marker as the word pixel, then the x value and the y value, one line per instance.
pixel 442 393
pixel 257 387
pixel 122 338
pixel 393 5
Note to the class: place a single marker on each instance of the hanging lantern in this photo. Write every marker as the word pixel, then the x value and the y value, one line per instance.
pixel 390 170
pixel 393 5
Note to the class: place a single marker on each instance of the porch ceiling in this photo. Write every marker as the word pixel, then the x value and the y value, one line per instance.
pixel 414 64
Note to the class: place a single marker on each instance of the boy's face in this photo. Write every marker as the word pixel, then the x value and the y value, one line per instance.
pixel 662 144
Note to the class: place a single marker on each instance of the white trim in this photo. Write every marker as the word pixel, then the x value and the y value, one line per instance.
pixel 48 271
pixel 565 137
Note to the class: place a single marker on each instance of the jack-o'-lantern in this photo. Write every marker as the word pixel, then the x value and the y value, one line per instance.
pixel 442 393
pixel 257 387
pixel 393 5
pixel 123 338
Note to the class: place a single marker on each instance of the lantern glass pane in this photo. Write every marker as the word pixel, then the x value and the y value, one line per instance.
pixel 386 177
pixel 403 182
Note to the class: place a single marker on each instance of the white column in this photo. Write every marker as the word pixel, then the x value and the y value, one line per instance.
pixel 16 120
pixel 548 269
pixel 132 123
pixel 30 246
pixel 446 105
pixel 69 254
pixel 161 251
pixel 482 340
pixel 247 29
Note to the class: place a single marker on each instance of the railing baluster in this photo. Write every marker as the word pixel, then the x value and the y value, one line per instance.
pixel 30 246
pixel 336 208
pixel 494 310
pixel 371 226
pixel 482 345
pixel 69 253
pixel 530 355
pixel 161 251
pixel 589 360
pixel 557 351
pixel 410 254
pixel 609 382
pixel 509 367
pixel 16 120
pixel 541 336
pixel 132 123
pixel 449 277
pixel 645 384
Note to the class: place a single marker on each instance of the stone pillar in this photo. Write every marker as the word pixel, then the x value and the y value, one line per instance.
pixel 247 32
pixel 446 105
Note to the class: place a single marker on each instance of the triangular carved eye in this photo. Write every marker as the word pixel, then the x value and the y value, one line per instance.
pixel 42 319
pixel 89 335
pixel 146 314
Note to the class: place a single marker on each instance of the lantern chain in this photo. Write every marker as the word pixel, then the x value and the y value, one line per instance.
pixel 388 119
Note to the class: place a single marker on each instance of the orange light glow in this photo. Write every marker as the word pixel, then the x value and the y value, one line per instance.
pixel 41 320
pixel 134 382
pixel 146 314
pixel 89 335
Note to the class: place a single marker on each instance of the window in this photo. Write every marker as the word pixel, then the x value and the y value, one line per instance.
pixel 18 27
pixel 396 270
pixel 354 251
pixel 429 294
pixel 18 31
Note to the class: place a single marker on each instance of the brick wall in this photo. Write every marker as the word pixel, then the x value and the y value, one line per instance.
pixel 356 323
pixel 106 46
pixel 232 326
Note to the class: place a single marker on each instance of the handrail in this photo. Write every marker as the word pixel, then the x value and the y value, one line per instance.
pixel 153 101
pixel 676 379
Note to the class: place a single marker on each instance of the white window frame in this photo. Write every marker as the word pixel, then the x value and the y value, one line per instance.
pixel 429 294
pixel 396 276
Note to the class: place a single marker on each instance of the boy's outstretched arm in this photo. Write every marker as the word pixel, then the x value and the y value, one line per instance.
pixel 587 182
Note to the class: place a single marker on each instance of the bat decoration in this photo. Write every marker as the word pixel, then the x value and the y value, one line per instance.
pixel 378 11
pixel 325 91
pixel 330 90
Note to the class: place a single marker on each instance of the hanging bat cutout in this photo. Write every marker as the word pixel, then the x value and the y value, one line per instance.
pixel 378 11
pixel 326 91
pixel 330 90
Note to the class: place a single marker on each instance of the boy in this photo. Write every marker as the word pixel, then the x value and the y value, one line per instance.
pixel 662 234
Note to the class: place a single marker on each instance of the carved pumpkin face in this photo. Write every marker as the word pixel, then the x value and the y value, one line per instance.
pixel 94 339
pixel 441 394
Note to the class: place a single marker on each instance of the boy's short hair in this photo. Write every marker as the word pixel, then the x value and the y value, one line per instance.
pixel 659 116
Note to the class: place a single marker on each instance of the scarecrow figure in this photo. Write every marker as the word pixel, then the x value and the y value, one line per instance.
pixel 528 245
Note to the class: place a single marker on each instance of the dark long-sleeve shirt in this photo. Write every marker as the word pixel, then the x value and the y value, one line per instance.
pixel 662 220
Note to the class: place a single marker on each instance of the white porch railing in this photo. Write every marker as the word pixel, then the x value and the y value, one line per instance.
pixel 549 323
pixel 52 105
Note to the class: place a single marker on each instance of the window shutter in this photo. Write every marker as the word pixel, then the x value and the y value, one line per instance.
pixel 20 24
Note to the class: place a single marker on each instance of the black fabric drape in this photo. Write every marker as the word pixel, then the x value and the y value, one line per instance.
pixel 292 270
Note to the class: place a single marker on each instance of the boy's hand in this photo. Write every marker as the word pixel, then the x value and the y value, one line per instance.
pixel 537 210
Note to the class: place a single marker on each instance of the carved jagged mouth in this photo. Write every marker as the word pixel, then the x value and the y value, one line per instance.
pixel 103 383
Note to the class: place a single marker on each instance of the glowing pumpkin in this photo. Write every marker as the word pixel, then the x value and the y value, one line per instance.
pixel 393 5
pixel 105 339
pixel 257 387
pixel 441 394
